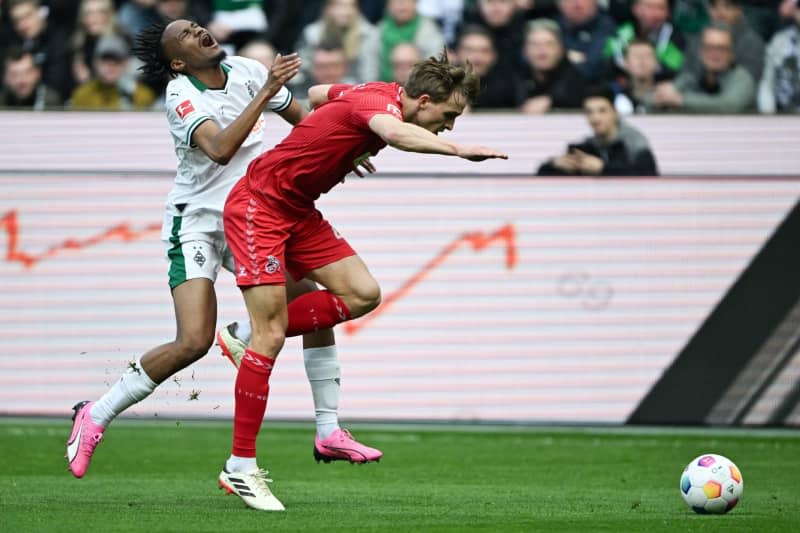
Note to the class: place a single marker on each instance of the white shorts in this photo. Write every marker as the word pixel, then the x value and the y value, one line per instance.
pixel 191 253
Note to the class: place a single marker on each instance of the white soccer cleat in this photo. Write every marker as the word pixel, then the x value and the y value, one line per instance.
pixel 232 346
pixel 252 488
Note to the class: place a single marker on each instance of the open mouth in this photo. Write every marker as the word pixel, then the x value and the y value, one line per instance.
pixel 207 41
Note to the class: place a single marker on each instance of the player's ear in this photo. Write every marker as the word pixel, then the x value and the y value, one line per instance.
pixel 177 65
pixel 423 100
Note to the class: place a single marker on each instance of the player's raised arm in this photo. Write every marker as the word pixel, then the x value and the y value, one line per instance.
pixel 318 94
pixel 294 113
pixel 412 138
pixel 220 144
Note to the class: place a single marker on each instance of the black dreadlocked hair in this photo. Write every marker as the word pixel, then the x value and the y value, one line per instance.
pixel 147 47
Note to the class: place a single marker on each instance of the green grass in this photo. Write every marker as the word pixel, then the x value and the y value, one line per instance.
pixel 155 477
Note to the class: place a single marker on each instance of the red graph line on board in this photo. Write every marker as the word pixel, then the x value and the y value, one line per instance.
pixel 14 254
pixel 478 240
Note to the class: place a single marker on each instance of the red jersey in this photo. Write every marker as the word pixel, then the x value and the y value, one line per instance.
pixel 326 145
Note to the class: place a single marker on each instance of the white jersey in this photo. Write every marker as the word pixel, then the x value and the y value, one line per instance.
pixel 201 185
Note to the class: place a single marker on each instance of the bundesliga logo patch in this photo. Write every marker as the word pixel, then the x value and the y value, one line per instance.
pixel 184 108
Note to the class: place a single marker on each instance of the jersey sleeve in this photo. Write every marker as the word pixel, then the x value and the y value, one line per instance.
pixel 185 112
pixel 368 104
pixel 282 98
pixel 338 89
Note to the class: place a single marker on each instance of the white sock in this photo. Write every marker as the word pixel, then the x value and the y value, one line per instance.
pixel 241 464
pixel 322 369
pixel 133 387
pixel 244 331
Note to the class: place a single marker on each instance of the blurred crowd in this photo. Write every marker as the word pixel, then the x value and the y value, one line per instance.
pixel 534 56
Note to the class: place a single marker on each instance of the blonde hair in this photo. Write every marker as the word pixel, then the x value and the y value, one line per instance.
pixel 437 78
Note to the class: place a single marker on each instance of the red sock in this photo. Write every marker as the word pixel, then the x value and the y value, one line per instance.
pixel 252 389
pixel 315 310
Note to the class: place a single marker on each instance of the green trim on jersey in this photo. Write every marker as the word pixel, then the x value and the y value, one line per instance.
pixel 193 127
pixel 284 105
pixel 177 264
pixel 202 87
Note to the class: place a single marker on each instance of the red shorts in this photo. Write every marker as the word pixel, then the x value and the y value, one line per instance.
pixel 267 241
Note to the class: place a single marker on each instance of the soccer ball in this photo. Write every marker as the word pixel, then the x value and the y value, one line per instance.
pixel 711 484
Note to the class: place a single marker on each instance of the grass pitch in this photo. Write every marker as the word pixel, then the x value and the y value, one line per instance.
pixel 161 477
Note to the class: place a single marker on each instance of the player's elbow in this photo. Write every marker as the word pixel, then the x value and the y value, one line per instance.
pixel 220 158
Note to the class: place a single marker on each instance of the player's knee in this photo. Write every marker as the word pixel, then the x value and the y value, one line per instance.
pixel 366 298
pixel 193 346
pixel 268 339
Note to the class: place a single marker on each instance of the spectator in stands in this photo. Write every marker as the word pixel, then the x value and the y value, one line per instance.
pixel 506 24
pixel 763 16
pixel 342 21
pixel 535 9
pixel 22 83
pixel 447 14
pixel 551 82
pixel 49 43
pixel 374 9
pixel 722 86
pixel 403 24
pixel 615 148
pixel 260 50
pixel 233 23
pixel 690 16
pixel 328 66
pixel 404 57
pixel 748 46
pixel 499 90
pixel 169 10
pixel 95 19
pixel 110 90
pixel 135 15
pixel 650 21
pixel 638 82
pixel 585 30
pixel 779 90
pixel 287 18
pixel 6 32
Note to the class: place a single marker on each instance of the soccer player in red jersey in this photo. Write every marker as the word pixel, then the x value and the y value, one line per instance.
pixel 273 227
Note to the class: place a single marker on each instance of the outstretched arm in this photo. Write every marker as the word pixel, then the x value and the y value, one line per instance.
pixel 219 144
pixel 318 95
pixel 412 138
pixel 294 113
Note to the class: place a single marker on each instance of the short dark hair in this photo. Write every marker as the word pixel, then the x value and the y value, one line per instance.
pixel 439 79
pixel 474 29
pixel 599 91
pixel 16 53
pixel 330 44
pixel 147 46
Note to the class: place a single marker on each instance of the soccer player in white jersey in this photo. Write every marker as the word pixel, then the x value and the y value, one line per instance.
pixel 214 109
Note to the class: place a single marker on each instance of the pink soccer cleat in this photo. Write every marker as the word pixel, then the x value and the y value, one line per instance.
pixel 86 435
pixel 341 446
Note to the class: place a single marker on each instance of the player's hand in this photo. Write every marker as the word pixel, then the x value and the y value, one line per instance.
pixel 479 153
pixel 366 165
pixel 283 69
